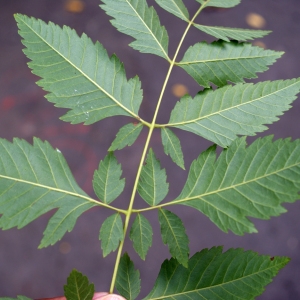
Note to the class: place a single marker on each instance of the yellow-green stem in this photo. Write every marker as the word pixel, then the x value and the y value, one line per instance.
pixel 151 128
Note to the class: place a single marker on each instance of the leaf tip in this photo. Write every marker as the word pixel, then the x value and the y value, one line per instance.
pixel 16 16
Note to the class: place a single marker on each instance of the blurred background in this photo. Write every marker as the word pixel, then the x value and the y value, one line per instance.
pixel 24 113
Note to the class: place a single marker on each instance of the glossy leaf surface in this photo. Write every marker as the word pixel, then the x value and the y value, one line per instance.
pixel 107 183
pixel 137 19
pixel 111 233
pixel 244 182
pixel 78 287
pixel 175 7
pixel 78 74
pixel 172 146
pixel 141 235
pixel 220 62
pixel 35 179
pixel 153 186
pixel 212 275
pixel 173 234
pixel 221 115
pixel 126 136
pixel 226 33
pixel 128 282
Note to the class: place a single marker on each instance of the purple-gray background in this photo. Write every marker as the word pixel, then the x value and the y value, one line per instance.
pixel 24 113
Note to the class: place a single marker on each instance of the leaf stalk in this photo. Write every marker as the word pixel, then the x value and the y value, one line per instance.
pixel 152 126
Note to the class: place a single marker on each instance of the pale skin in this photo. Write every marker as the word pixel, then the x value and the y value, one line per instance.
pixel 107 296
pixel 97 296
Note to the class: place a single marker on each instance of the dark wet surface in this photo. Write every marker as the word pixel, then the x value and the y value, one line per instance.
pixel 25 113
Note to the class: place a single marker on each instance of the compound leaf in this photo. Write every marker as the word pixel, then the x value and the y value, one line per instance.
pixel 128 282
pixel 141 235
pixel 219 3
pixel 222 61
pixel 126 136
pixel 226 33
pixel 212 274
pixel 244 182
pixel 78 74
pixel 35 179
pixel 175 7
pixel 137 19
pixel 173 234
pixel 221 115
pixel 106 182
pixel 111 233
pixel 172 146
pixel 153 186
pixel 78 287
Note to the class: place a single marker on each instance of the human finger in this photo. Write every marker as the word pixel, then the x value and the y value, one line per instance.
pixel 107 296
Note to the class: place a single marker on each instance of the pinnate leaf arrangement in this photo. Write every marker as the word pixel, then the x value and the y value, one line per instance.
pixel 243 181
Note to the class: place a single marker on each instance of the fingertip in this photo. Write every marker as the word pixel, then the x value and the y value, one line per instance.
pixel 99 295
pixel 107 296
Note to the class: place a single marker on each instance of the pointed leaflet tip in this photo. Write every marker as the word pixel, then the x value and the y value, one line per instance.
pixel 126 136
pixel 111 233
pixel 226 33
pixel 36 179
pixel 128 282
pixel 243 109
pixel 84 73
pixel 153 186
pixel 135 18
pixel 78 287
pixel 141 235
pixel 212 274
pixel 171 144
pixel 175 7
pixel 106 182
pixel 220 62
pixel 174 235
pixel 244 182
pixel 220 3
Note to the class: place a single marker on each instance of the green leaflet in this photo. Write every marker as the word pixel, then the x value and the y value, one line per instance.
pixel 78 74
pixel 221 115
pixel 126 136
pixel 106 182
pixel 35 179
pixel 153 186
pixel 78 287
pixel 219 3
pixel 244 182
pixel 221 61
pixel 173 234
pixel 226 33
pixel 135 18
pixel 172 146
pixel 212 275
pixel 141 235
pixel 128 282
pixel 111 233
pixel 175 7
